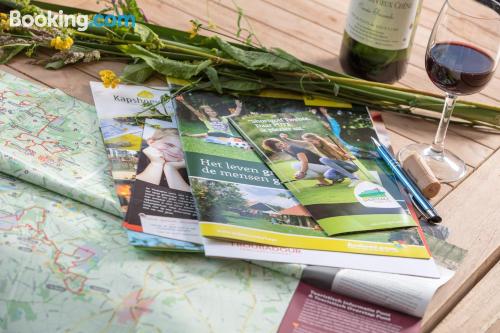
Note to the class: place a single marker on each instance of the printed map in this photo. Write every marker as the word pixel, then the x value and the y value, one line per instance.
pixel 69 267
pixel 53 140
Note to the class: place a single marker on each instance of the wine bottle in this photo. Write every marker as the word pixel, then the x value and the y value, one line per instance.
pixel 377 38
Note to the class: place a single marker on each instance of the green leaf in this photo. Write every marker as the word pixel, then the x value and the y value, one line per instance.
pixel 57 64
pixel 147 35
pixel 9 51
pixel 241 85
pixel 137 73
pixel 214 78
pixel 165 66
pixel 259 60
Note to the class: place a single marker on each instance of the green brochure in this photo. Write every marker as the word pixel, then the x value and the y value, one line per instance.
pixel 341 194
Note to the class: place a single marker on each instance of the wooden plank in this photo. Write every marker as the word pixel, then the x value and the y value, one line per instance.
pixel 12 71
pixel 471 213
pixel 488 139
pixel 479 311
pixel 423 131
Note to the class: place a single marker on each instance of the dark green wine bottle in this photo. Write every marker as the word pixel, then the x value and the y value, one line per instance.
pixel 378 37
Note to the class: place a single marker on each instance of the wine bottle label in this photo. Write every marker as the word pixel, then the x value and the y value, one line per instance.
pixel 383 24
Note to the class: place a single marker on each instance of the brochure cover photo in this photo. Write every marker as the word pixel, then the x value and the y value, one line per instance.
pixel 239 198
pixel 161 202
pixel 335 187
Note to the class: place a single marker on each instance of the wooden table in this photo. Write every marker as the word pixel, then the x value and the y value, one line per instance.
pixel 312 30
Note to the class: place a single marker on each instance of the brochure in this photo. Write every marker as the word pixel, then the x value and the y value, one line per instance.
pixel 239 198
pixel 333 185
pixel 122 114
pixel 161 202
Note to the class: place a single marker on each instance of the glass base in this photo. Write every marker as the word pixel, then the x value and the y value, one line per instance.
pixel 446 166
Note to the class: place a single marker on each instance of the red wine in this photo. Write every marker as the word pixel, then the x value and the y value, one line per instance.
pixel 458 68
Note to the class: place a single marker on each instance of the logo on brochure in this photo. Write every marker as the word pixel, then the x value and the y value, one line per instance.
pixel 145 94
pixel 142 97
pixel 375 196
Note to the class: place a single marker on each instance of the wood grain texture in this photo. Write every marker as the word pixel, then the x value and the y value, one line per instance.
pixel 471 212
pixel 312 30
pixel 478 311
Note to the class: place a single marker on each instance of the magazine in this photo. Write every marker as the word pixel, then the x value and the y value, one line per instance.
pixel 323 174
pixel 122 114
pixel 314 310
pixel 333 300
pixel 239 198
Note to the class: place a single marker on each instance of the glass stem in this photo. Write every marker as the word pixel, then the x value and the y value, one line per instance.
pixel 449 104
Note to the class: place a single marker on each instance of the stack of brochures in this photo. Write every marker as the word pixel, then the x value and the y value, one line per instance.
pixel 273 177
pixel 292 185
pixel 276 179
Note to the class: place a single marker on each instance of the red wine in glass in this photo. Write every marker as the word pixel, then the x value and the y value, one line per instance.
pixel 462 53
pixel 459 68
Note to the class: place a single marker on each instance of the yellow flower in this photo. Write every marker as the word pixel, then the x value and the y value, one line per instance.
pixel 109 78
pixel 195 27
pixel 61 44
pixel 4 22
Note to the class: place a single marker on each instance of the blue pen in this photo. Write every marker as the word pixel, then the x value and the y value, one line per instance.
pixel 421 202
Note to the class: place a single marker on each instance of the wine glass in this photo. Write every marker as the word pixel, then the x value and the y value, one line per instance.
pixel 461 57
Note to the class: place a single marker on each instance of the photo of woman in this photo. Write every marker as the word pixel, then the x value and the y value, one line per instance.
pixel 317 158
pixel 166 165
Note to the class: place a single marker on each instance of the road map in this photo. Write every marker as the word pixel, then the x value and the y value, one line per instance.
pixel 66 263
pixel 69 267
pixel 53 140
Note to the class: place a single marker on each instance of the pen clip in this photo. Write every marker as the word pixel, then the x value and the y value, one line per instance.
pixel 417 207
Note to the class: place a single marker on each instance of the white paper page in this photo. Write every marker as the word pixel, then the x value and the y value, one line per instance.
pixel 174 228
pixel 396 265
pixel 408 294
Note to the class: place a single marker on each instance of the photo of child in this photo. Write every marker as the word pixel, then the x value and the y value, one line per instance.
pixel 165 165
pixel 218 128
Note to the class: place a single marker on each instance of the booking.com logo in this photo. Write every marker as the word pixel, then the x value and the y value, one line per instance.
pixel 60 20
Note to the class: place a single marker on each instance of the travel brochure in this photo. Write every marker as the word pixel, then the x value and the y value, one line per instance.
pixel 314 165
pixel 132 120
pixel 161 202
pixel 240 198
pixel 159 210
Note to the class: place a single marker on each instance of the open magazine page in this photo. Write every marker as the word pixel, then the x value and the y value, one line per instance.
pixel 323 174
pixel 42 142
pixel 408 294
pixel 74 260
pixel 122 114
pixel 314 310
